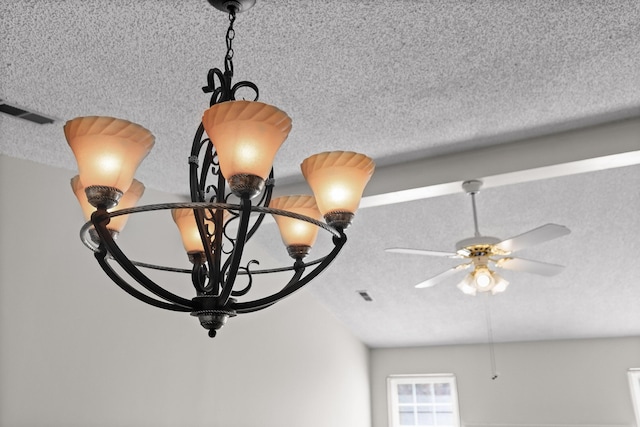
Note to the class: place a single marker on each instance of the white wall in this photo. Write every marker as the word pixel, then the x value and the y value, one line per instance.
pixel 559 383
pixel 75 350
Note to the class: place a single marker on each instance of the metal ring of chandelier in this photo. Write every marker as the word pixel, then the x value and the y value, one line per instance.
pixel 212 312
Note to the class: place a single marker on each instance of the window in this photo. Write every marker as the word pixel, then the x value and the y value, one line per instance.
pixel 423 401
pixel 634 385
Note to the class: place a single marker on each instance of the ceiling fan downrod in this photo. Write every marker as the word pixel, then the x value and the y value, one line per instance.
pixel 472 187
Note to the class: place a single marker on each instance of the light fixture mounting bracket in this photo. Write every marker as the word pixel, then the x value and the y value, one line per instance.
pixel 226 5
pixel 472 186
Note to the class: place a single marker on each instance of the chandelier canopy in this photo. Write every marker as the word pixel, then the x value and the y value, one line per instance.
pixel 231 181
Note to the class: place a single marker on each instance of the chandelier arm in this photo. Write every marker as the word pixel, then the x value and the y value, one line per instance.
pixel 100 219
pixel 299 267
pixel 246 271
pixel 218 236
pixel 93 247
pixel 337 233
pixel 283 269
pixel 236 256
pixel 242 307
pixel 225 266
pixel 208 253
pixel 197 195
pixel 207 163
pixel 161 267
pixel 115 277
pixel 266 199
pixel 198 274
pixel 205 205
pixel 188 270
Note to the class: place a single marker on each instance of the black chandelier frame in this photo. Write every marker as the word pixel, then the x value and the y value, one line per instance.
pixel 215 271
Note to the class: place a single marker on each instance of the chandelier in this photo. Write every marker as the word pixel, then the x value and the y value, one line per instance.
pixel 231 181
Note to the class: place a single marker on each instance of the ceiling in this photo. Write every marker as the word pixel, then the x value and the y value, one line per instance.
pixel 539 99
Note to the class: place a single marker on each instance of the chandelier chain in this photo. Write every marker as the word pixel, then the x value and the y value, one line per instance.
pixel 218 82
pixel 231 34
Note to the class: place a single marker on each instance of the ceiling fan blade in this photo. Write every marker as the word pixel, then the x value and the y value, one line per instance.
pixel 528 266
pixel 533 237
pixel 442 276
pixel 422 252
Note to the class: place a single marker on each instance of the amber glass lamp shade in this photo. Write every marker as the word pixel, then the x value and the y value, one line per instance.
pixel 337 179
pixel 186 222
pixel 108 150
pixel 297 235
pixel 78 190
pixel 128 200
pixel 246 135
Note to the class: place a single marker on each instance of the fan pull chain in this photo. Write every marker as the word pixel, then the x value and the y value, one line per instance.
pixel 492 354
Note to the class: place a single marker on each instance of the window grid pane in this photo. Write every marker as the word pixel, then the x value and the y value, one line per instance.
pixel 405 393
pixel 424 393
pixel 442 392
pixel 425 402
pixel 407 416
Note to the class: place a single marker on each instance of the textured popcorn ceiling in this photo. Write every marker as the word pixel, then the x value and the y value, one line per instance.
pixel 398 80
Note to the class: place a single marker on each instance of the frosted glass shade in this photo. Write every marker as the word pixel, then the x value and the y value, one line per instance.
pixel 295 232
pixel 483 278
pixel 186 222
pixel 500 284
pixel 337 179
pixel 128 200
pixel 108 150
pixel 466 285
pixel 246 135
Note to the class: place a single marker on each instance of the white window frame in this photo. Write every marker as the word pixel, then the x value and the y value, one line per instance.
pixel 634 387
pixel 392 396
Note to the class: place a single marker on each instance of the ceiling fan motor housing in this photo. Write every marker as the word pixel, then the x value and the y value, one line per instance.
pixel 477 241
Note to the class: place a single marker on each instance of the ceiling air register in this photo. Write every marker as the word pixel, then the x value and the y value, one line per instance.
pixel 231 181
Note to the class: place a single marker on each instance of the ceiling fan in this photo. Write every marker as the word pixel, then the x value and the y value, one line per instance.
pixel 485 253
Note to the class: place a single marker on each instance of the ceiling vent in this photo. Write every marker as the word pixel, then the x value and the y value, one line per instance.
pixel 365 295
pixel 22 113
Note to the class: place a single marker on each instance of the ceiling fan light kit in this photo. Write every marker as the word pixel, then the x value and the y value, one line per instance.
pixel 485 254
pixel 231 156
